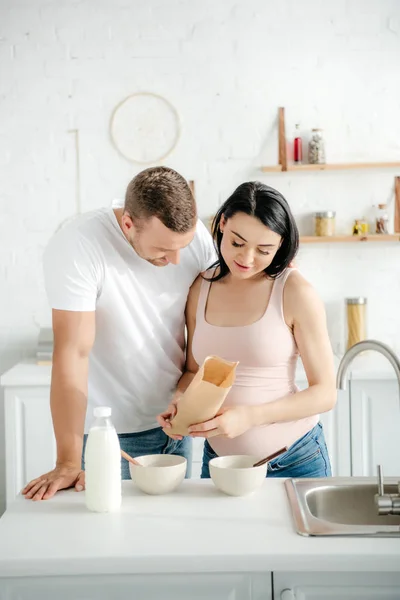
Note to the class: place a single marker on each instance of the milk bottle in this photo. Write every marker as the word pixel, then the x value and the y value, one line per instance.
pixel 103 464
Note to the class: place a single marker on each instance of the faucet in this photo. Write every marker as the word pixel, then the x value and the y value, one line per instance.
pixel 386 503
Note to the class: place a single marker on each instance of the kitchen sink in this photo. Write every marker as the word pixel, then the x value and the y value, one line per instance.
pixel 343 506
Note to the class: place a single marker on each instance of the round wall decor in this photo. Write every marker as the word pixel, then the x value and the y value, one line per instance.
pixel 145 128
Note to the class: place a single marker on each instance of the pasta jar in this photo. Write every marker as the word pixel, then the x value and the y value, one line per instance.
pixel 356 320
pixel 324 223
pixel 316 148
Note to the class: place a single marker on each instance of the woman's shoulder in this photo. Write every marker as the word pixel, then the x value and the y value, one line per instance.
pixel 210 273
pixel 195 288
pixel 294 279
pixel 299 291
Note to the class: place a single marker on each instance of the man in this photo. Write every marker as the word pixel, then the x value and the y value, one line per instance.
pixel 118 320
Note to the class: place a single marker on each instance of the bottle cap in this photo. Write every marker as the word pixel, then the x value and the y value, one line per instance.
pixel 326 214
pixel 102 411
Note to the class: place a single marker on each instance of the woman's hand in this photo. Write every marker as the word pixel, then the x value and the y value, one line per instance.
pixel 229 422
pixel 164 419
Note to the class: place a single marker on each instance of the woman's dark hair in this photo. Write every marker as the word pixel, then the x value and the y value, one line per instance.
pixel 268 206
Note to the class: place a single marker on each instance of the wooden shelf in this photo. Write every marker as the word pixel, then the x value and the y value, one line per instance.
pixel 332 167
pixel 315 239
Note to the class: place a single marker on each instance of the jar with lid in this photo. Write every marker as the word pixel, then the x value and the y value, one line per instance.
pixel 324 223
pixel 316 148
pixel 356 320
pixel 382 219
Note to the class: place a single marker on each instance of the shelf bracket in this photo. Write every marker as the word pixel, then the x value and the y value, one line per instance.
pixel 397 204
pixel 282 139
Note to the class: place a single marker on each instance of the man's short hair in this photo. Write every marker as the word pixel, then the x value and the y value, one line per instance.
pixel 163 193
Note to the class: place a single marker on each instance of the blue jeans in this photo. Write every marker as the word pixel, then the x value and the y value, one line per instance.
pixel 308 457
pixel 153 441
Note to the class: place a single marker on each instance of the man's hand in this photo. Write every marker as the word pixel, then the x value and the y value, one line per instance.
pixel 230 422
pixel 165 418
pixel 60 478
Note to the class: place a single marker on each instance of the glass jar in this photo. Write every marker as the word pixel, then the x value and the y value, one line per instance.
pixel 316 148
pixel 356 320
pixel 381 220
pixel 324 223
pixel 364 226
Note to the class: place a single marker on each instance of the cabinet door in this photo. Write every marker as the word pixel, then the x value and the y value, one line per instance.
pixel 216 586
pixel 375 427
pixel 30 442
pixel 336 425
pixel 336 586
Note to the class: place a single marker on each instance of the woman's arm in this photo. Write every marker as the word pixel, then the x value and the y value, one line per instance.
pixel 191 366
pixel 305 314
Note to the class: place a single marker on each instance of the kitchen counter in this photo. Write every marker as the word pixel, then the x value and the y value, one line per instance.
pixel 197 529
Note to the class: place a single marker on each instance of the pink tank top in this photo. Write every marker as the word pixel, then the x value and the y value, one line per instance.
pixel 267 355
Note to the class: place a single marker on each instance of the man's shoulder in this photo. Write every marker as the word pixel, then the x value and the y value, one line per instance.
pixel 78 237
pixel 202 232
pixel 202 240
pixel 83 224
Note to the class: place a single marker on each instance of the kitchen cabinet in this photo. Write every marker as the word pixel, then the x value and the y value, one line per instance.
pixel 375 427
pixel 336 586
pixel 219 586
pixel 213 586
pixel 30 441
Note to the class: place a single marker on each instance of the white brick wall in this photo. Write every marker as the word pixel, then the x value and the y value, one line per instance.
pixel 226 66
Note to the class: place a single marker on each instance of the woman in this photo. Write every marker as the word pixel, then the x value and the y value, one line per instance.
pixel 252 307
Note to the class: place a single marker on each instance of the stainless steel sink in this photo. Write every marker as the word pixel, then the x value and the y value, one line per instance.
pixel 341 506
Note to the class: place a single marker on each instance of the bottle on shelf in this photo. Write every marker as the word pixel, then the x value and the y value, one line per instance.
pixel 357 227
pixel 297 146
pixel 103 464
pixel 364 226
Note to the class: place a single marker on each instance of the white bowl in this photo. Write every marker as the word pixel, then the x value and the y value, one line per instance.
pixel 235 475
pixel 159 473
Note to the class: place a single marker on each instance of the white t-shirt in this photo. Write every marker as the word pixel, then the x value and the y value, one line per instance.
pixel 139 350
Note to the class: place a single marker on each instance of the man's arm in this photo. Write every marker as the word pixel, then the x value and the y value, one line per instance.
pixel 74 334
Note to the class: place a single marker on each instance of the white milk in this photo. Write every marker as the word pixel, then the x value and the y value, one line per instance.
pixel 103 464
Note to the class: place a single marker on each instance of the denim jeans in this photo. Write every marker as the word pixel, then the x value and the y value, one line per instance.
pixel 308 457
pixel 153 441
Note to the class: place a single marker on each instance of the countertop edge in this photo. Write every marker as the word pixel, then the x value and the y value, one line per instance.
pixel 385 563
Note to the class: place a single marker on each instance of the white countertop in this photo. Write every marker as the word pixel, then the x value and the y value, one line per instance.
pixel 370 365
pixel 197 529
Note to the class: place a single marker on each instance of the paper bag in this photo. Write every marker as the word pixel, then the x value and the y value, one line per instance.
pixel 205 394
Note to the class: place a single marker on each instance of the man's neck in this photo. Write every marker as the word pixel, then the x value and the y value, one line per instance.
pixel 118 212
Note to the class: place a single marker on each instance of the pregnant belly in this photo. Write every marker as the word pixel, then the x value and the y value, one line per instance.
pixel 265 439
